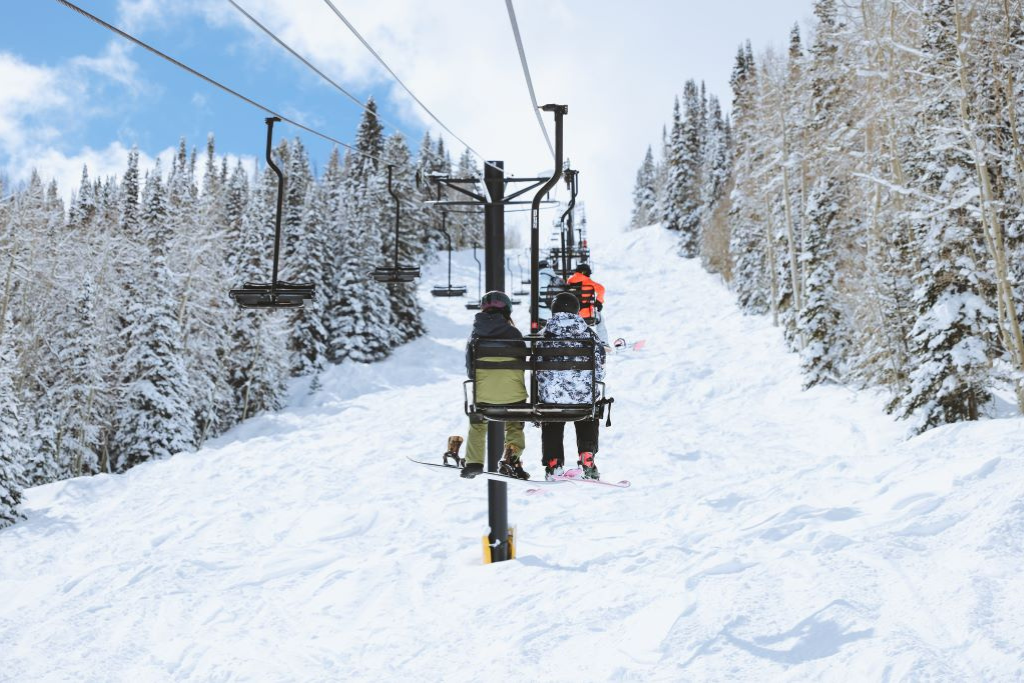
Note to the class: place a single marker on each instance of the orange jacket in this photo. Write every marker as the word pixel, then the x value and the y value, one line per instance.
pixel 596 287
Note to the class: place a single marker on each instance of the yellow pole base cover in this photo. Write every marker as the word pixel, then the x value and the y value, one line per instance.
pixel 486 541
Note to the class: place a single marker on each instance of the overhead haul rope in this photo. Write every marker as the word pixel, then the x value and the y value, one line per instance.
pixel 404 86
pixel 526 72
pixel 180 65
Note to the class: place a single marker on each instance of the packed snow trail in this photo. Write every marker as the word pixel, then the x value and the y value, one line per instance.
pixel 770 533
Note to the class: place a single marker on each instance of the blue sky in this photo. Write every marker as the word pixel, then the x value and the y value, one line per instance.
pixel 73 93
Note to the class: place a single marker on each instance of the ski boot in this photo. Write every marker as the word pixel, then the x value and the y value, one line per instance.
pixel 586 461
pixel 552 469
pixel 454 444
pixel 471 469
pixel 510 465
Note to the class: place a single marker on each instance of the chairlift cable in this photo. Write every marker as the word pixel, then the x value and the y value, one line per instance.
pixel 180 65
pixel 404 86
pixel 526 72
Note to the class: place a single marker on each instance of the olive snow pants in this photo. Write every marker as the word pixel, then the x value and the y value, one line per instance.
pixel 551 434
pixel 475 446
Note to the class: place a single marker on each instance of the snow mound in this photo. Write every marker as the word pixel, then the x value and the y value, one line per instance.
pixel 770 533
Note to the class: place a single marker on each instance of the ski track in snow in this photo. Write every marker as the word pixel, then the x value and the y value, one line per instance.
pixel 770 533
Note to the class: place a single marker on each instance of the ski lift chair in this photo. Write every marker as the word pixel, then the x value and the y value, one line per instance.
pixel 586 295
pixel 535 357
pixel 448 290
pixel 277 293
pixel 395 274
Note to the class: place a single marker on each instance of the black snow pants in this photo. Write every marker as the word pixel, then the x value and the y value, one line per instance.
pixel 551 434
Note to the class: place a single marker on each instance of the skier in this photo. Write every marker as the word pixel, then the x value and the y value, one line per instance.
pixel 547 278
pixel 547 274
pixel 496 387
pixel 568 387
pixel 582 277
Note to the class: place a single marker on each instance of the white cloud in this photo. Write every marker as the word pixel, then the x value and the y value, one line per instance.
pixel 25 90
pixel 115 65
pixel 39 105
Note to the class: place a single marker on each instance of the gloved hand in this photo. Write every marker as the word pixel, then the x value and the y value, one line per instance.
pixel 599 305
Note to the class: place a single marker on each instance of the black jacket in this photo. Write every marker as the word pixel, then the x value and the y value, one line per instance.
pixel 492 325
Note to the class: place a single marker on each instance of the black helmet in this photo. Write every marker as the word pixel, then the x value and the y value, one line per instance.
pixel 543 263
pixel 566 302
pixel 496 301
pixel 584 268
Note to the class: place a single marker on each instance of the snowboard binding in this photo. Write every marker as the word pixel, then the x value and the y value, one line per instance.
pixel 454 444
pixel 510 464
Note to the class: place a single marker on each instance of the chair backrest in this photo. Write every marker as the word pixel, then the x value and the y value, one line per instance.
pixel 580 356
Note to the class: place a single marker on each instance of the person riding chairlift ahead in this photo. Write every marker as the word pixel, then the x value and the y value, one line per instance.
pixel 595 312
pixel 569 387
pixel 493 327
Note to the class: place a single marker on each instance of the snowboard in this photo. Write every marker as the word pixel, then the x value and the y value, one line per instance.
pixel 493 476
pixel 574 476
pixel 623 345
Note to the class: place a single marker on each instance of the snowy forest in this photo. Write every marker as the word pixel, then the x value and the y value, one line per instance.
pixel 866 192
pixel 118 341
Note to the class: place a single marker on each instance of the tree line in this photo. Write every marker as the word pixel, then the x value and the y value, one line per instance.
pixel 118 342
pixel 868 196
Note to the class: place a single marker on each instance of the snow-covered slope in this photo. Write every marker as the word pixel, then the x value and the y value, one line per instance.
pixel 770 533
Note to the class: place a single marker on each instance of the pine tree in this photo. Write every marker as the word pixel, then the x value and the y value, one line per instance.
pixel 83 372
pixel 258 365
pixel 467 228
pixel 673 198
pixel 362 325
pixel 406 312
pixel 309 336
pixel 949 351
pixel 644 196
pixel 819 317
pixel 13 449
pixel 154 420
pixel 747 243
pixel 686 180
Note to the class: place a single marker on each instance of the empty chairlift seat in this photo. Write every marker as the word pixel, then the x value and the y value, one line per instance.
pixel 273 295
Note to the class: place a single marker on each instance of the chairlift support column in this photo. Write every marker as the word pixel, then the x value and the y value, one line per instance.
pixel 494 258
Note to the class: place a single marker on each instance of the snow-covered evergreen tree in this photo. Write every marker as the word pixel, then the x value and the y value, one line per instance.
pixel 748 229
pixel 685 179
pixel 949 341
pixel 819 316
pixel 13 448
pixel 644 193
pixel 258 365
pixel 467 228
pixel 362 326
pixel 154 420
pixel 407 313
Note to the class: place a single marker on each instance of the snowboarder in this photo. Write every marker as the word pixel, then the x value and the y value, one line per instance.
pixel 581 277
pixel 568 387
pixel 493 326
